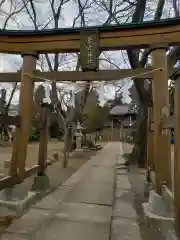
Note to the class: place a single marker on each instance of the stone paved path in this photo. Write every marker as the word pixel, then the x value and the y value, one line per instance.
pixel 95 203
pixel 124 221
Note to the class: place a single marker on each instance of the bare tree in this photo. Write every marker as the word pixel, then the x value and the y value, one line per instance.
pixel 93 12
pixel 55 62
pixel 135 62
pixel 9 11
pixel 176 7
pixel 135 12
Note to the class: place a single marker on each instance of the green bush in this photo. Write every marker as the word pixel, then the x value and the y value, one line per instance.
pixel 55 131
pixel 34 135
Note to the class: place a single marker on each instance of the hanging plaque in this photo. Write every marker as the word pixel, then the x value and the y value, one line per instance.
pixel 89 50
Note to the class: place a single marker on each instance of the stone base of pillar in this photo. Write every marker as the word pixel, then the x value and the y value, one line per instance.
pixel 157 208
pixel 157 205
pixel 15 200
pixel 41 183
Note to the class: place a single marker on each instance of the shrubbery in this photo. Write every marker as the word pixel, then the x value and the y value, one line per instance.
pixel 34 135
pixel 54 132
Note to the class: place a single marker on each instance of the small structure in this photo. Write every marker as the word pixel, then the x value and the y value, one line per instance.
pixel 122 114
pixel 121 117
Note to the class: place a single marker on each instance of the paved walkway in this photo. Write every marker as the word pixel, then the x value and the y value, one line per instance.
pixel 95 203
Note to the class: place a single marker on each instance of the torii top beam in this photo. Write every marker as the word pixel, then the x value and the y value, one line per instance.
pixel 110 38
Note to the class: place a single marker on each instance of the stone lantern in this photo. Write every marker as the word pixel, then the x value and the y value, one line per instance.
pixel 79 136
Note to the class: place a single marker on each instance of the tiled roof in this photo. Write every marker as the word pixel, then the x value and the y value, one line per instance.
pixel 121 110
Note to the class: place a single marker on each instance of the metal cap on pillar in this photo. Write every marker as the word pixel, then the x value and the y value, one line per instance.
pixel 157 46
pixel 33 54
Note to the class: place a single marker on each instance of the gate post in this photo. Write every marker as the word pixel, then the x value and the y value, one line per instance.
pixel 150 149
pixel 43 145
pixel 160 93
pixel 177 153
pixel 26 101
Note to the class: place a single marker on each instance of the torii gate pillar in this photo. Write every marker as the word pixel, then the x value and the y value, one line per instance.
pixel 26 103
pixel 177 153
pixel 161 101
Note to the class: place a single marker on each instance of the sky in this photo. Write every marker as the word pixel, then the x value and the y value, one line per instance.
pixel 94 15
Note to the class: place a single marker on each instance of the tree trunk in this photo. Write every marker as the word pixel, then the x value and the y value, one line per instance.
pixel 140 149
pixel 65 156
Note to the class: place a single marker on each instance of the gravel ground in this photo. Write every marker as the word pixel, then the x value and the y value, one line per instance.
pixel 54 146
pixel 56 174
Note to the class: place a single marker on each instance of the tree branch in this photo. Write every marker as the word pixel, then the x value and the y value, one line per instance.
pixel 159 10
pixel 176 8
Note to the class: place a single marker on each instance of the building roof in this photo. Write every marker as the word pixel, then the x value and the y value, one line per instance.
pixel 121 110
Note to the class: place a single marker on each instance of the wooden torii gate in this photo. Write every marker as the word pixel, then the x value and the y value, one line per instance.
pixel 157 37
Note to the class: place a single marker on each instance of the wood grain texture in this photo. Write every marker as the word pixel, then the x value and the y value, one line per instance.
pixel 116 39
